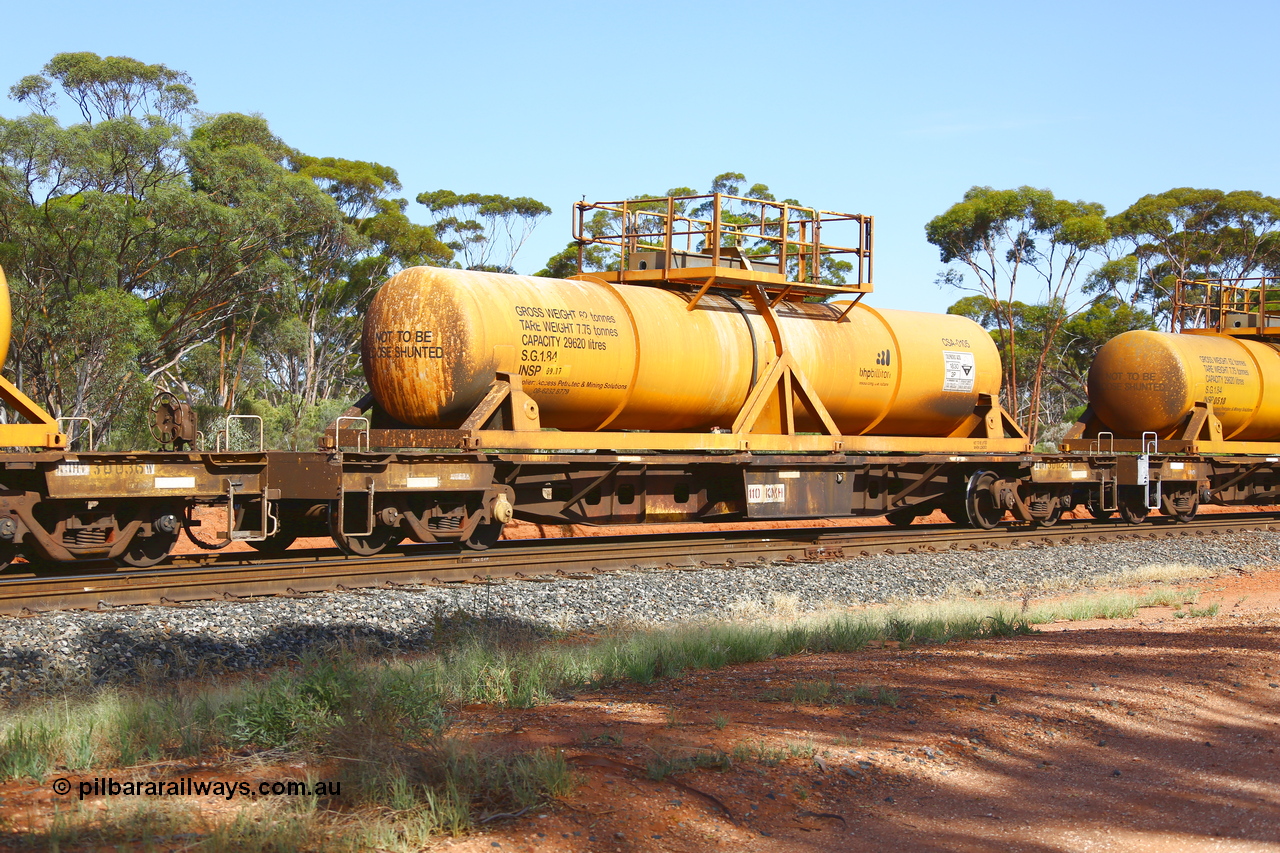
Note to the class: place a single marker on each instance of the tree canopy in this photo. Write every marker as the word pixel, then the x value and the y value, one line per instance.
pixel 150 246
pixel 1055 279
pixel 486 230
pixel 1189 234
pixel 1004 237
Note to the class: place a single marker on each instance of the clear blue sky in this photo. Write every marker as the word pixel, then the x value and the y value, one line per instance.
pixel 890 109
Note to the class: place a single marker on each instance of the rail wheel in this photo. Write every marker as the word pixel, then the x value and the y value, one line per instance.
pixel 277 543
pixel 1180 505
pixel 955 513
pixel 383 536
pixel 8 551
pixel 980 501
pixel 1097 511
pixel 144 551
pixel 366 546
pixel 1133 504
pixel 902 517
pixel 485 536
pixel 285 534
pixel 1054 516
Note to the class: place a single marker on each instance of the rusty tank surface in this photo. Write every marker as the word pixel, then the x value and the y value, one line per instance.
pixel 599 355
pixel 1145 381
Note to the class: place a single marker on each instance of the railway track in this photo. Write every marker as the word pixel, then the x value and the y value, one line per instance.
pixel 205 577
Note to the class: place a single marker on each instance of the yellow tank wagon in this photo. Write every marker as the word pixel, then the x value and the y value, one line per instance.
pixel 592 355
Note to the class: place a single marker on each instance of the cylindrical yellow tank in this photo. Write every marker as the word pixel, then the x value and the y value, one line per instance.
pixel 596 355
pixel 6 319
pixel 1149 382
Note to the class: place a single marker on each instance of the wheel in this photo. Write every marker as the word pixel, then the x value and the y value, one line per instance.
pixel 1054 516
pixel 955 513
pixel 161 427
pixel 8 551
pixel 1181 506
pixel 277 543
pixel 144 551
pixel 1097 511
pixel 382 537
pixel 173 423
pixel 901 517
pixel 366 546
pixel 980 501
pixel 1133 504
pixel 485 536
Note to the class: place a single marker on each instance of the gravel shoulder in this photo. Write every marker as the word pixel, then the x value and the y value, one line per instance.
pixel 52 651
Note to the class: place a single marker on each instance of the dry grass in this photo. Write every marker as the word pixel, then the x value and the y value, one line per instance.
pixel 779 605
pixel 1160 573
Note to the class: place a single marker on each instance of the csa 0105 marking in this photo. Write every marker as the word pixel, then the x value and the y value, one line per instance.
pixel 766 493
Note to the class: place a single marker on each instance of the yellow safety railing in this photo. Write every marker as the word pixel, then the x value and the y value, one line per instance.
pixel 689 238
pixel 1243 307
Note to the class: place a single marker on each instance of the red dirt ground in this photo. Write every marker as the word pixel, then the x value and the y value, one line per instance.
pixel 1155 733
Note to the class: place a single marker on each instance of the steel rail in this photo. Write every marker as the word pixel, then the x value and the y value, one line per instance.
pixel 574 558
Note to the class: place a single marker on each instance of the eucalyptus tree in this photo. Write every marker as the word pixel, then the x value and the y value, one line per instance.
pixel 140 234
pixel 1067 352
pixel 1187 233
pixel 1003 238
pixel 90 221
pixel 311 356
pixel 484 230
